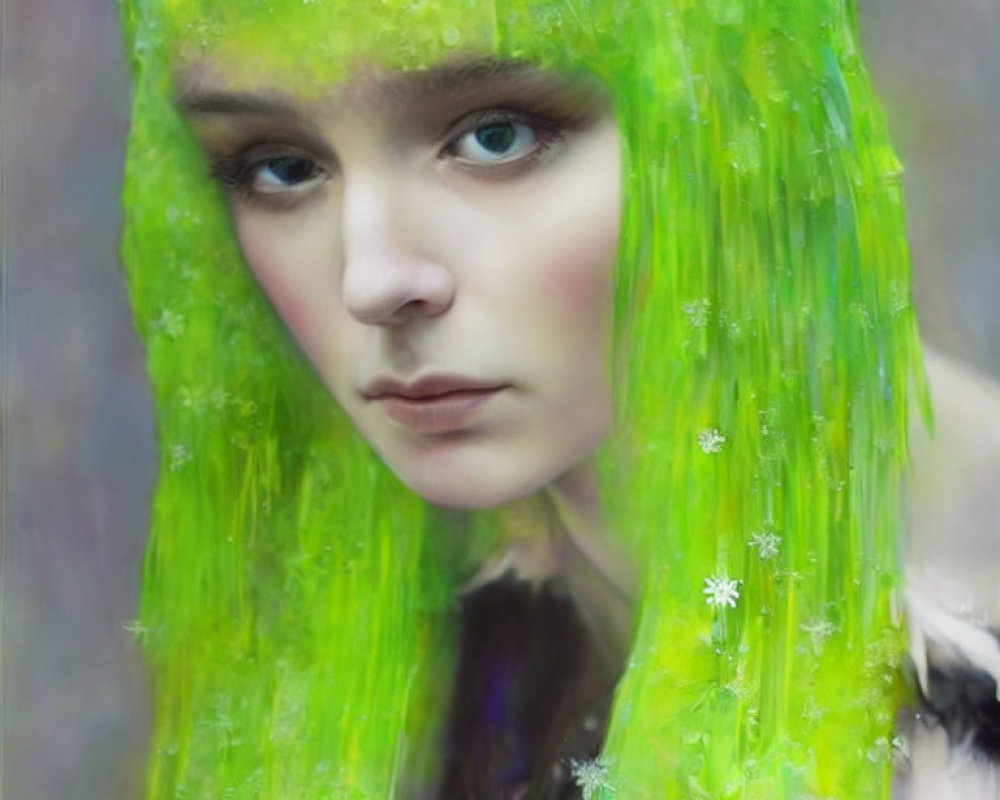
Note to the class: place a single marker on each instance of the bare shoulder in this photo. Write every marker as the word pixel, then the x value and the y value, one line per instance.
pixel 952 560
pixel 966 406
pixel 953 493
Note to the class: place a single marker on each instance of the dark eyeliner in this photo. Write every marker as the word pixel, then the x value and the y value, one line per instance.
pixel 232 172
pixel 548 132
pixel 237 173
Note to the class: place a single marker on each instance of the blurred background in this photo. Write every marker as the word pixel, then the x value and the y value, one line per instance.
pixel 78 438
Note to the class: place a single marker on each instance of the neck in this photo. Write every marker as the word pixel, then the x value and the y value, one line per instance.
pixel 560 534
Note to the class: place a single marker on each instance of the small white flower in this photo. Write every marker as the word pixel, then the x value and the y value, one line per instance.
pixel 813 711
pixel 819 631
pixel 720 591
pixel 137 629
pixel 767 544
pixel 179 456
pixel 899 298
pixel 900 747
pixel 590 776
pixel 697 312
pixel 880 751
pixel 711 440
pixel 738 685
pixel 192 398
pixel 171 323
pixel 219 398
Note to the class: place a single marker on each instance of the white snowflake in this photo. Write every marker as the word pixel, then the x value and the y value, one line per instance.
pixel 766 543
pixel 711 440
pixel 880 751
pixel 137 629
pixel 219 398
pixel 191 397
pixel 697 311
pixel 900 747
pixel 720 591
pixel 179 456
pixel 590 776
pixel 819 630
pixel 813 711
pixel 171 323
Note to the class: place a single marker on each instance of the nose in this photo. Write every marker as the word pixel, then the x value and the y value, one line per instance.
pixel 388 277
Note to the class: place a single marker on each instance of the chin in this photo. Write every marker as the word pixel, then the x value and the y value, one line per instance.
pixel 471 475
pixel 469 492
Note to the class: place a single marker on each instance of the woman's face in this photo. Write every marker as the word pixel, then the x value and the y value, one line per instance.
pixel 441 245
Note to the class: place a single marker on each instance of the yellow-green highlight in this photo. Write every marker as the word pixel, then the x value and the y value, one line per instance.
pixel 298 602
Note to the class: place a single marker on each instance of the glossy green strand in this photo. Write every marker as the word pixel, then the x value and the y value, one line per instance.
pixel 298 602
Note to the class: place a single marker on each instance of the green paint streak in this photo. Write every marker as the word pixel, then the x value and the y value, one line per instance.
pixel 296 597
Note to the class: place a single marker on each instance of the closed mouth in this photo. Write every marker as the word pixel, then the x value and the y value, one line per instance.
pixel 437 413
pixel 428 387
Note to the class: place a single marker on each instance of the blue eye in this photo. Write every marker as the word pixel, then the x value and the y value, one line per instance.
pixel 497 141
pixel 283 174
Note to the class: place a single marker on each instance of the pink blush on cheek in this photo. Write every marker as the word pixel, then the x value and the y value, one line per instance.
pixel 299 303
pixel 579 280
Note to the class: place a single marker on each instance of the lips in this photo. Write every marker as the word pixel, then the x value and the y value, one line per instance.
pixel 435 404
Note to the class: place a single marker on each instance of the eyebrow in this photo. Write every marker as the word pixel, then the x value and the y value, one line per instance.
pixel 200 101
pixel 440 79
pixel 456 76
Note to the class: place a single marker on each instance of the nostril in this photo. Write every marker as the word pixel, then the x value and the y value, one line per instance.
pixel 396 288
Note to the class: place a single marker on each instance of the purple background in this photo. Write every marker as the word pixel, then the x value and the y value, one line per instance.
pixel 78 438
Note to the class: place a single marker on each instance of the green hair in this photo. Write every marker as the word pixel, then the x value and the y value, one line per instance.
pixel 298 601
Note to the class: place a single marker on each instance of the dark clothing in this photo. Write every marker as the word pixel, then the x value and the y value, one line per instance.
pixel 532 695
pixel 963 699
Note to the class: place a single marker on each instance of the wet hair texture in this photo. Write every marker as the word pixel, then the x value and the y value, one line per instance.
pixel 298 602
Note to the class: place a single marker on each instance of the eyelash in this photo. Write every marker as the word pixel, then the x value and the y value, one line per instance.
pixel 240 173
pixel 546 133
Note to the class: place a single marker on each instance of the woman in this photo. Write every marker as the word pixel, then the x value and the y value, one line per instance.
pixel 428 196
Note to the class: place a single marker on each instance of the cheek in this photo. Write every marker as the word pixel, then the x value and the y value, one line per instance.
pixel 579 223
pixel 288 262
pixel 576 278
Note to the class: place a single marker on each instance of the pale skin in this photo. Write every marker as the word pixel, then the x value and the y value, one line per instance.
pixel 441 245
pixel 953 600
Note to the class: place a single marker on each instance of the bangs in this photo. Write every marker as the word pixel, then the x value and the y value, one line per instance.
pixel 314 43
